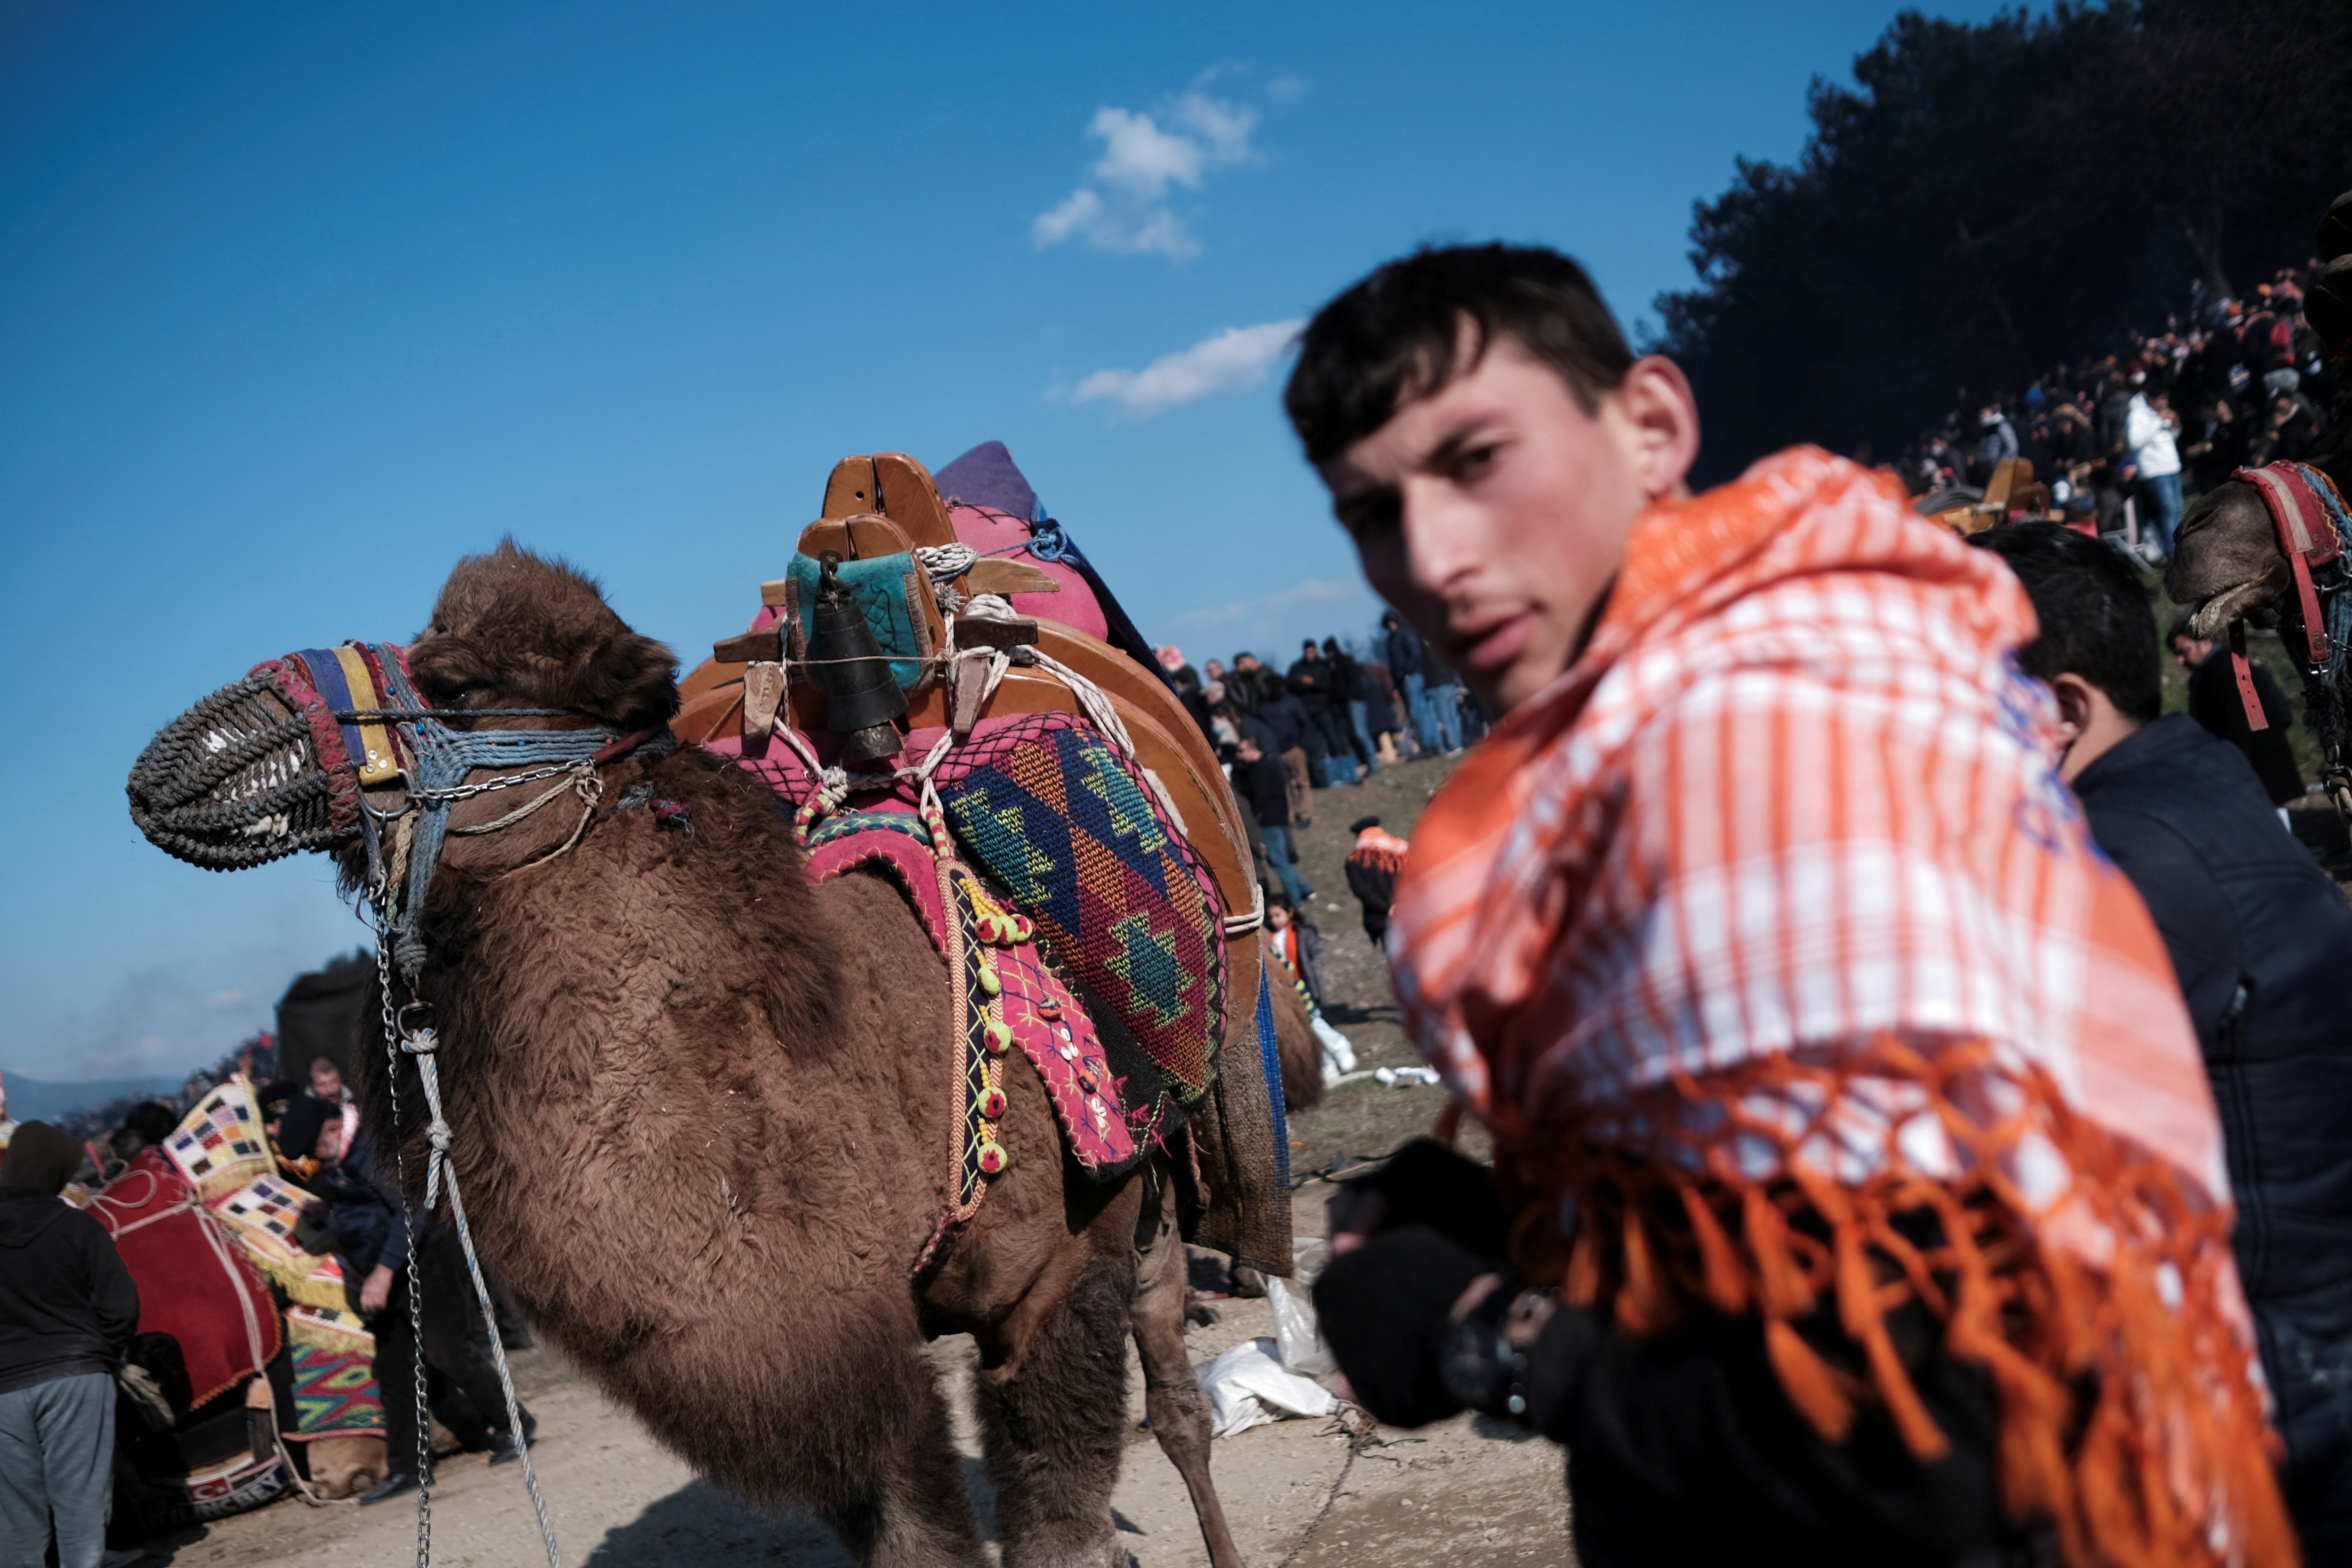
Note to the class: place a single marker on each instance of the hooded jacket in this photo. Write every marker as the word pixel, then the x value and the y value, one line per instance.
pixel 68 1305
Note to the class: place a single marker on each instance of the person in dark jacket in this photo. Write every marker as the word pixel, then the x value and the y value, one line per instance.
pixel 375 1246
pixel 2214 703
pixel 1409 666
pixel 67 1310
pixel 2262 945
pixel 1264 783
pixel 1251 682
pixel 1301 747
pixel 1350 687
pixel 1383 704
pixel 1315 682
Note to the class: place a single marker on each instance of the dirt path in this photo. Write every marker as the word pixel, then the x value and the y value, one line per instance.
pixel 1299 1494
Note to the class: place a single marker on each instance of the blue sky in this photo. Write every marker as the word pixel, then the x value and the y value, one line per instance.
pixel 299 303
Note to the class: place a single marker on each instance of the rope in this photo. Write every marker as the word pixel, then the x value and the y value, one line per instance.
pixel 423 1045
pixel 946 561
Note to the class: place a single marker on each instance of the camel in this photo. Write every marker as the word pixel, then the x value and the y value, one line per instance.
pixel 698 1104
pixel 2228 563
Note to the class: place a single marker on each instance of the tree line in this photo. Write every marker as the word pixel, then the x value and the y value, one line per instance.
pixel 1988 199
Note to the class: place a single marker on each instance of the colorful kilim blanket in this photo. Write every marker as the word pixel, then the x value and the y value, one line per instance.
pixel 335 1392
pixel 1053 815
pixel 1111 1099
pixel 194 1282
pixel 266 1217
pixel 219 1145
pixel 220 1150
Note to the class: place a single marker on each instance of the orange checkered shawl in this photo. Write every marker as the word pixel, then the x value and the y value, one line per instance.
pixel 1770 921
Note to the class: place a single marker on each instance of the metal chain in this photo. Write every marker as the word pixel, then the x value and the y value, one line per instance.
pixel 422 797
pixel 407 1220
pixel 423 1045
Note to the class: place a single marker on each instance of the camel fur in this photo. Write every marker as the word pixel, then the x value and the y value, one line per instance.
pixel 701 1114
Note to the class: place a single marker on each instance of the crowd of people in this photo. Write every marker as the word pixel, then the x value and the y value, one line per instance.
pixel 1333 719
pixel 2228 383
pixel 69 1310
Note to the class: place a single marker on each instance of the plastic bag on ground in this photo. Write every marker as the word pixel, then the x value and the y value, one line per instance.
pixel 1297 1336
pixel 1248 1387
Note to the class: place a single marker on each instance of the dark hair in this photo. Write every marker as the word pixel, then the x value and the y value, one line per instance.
pixel 2096 621
pixel 151 1121
pixel 1395 336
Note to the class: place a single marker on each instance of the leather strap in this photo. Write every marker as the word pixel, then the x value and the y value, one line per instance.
pixel 2244 672
pixel 2305 533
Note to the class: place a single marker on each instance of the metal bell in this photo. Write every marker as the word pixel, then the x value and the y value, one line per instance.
pixel 861 695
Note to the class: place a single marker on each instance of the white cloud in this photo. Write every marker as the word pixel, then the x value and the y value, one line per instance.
pixel 221 1000
pixel 1124 208
pixel 1228 361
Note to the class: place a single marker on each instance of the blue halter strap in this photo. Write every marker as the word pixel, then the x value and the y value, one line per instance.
pixel 440 761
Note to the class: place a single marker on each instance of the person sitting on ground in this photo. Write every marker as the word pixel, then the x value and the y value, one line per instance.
pixel 1374 862
pixel 379 1249
pixel 270 1102
pixel 326 1083
pixel 1264 783
pixel 307 1137
pixel 2261 942
pixel 1858 1193
pixel 67 1311
pixel 1298 942
pixel 2217 706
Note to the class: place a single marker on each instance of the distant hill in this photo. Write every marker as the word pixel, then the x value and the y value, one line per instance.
pixel 31 1099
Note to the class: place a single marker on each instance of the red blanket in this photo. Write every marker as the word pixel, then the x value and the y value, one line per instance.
pixel 194 1284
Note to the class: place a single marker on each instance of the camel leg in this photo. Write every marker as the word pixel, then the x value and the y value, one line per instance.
pixel 898 1500
pixel 1178 1410
pixel 1051 1412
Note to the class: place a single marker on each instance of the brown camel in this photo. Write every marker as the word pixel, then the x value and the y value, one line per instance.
pixel 700 1108
pixel 2228 563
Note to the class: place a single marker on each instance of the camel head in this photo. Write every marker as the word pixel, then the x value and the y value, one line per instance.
pixel 265 767
pixel 2227 562
pixel 513 630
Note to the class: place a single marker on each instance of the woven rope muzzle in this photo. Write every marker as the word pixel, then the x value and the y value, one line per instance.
pixel 255 772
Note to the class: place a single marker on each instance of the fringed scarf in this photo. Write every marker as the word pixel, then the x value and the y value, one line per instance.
pixel 1784 970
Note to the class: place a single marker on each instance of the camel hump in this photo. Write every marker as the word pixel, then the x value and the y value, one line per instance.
pixel 884 512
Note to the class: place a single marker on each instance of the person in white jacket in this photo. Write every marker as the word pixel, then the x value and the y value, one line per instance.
pixel 2149 430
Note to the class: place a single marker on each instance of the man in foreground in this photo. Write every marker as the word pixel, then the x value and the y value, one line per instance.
pixel 1863 1191
pixel 2262 944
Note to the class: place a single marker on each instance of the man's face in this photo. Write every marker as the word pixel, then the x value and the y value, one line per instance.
pixel 326 1081
pixel 329 1146
pixel 1493 515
